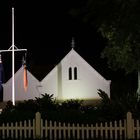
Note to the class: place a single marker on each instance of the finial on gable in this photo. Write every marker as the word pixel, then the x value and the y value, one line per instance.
pixel 72 43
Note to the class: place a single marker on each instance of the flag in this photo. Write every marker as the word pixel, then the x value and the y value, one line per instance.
pixel 25 80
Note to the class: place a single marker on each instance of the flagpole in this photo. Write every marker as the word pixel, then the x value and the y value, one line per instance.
pixel 13 48
pixel 13 60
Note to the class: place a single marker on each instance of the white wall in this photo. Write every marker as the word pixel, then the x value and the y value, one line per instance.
pixel 57 82
pixel 20 94
pixel 49 83
pixel 85 87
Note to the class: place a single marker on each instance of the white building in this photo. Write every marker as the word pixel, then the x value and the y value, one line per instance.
pixel 74 78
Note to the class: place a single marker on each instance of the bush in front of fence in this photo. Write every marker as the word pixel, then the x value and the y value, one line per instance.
pixel 70 110
pixel 66 111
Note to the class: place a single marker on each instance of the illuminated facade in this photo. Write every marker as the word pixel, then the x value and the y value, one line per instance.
pixel 74 78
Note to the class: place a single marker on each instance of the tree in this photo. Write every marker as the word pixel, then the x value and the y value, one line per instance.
pixel 119 22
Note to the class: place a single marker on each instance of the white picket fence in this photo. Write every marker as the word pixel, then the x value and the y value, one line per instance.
pixel 38 128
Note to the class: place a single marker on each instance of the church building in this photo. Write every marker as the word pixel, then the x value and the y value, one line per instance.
pixel 74 78
pixel 71 78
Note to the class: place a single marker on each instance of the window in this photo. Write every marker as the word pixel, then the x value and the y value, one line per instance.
pixel 70 73
pixel 75 73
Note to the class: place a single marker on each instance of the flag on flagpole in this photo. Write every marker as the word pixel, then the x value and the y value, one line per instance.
pixel 25 80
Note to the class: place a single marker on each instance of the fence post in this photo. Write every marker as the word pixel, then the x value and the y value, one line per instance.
pixel 37 125
pixel 129 126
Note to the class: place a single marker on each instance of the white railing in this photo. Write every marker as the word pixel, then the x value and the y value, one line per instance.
pixel 39 128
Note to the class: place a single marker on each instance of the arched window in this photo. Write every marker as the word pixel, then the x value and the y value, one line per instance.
pixel 70 73
pixel 75 73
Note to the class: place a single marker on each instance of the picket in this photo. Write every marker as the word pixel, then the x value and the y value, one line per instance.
pixel 39 128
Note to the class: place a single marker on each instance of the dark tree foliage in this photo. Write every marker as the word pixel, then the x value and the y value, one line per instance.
pixel 119 22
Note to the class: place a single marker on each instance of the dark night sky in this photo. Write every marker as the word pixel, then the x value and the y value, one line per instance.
pixel 46 30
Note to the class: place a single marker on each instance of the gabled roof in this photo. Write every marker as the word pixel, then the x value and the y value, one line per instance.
pixel 18 73
pixel 72 53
